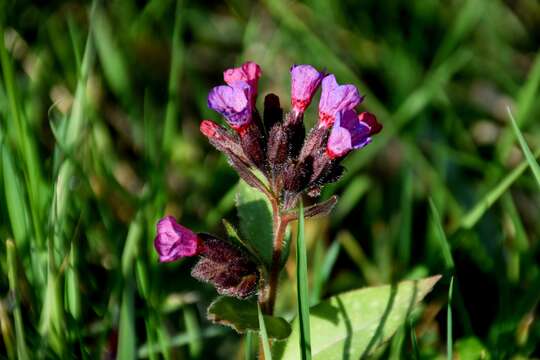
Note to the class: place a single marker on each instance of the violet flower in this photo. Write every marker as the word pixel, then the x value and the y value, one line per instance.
pixel 347 134
pixel 173 241
pixel 232 101
pixel 305 81
pixel 336 98
pixel 249 72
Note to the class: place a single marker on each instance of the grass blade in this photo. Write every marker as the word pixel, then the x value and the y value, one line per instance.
pixel 194 331
pixel 472 217
pixel 22 351
pixel 445 247
pixel 264 335
pixel 526 150
pixel 414 343
pixel 302 287
pixel 449 344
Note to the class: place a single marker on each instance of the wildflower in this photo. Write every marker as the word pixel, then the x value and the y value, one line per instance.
pixel 348 133
pixel 232 101
pixel 336 98
pixel 305 81
pixel 249 72
pixel 173 241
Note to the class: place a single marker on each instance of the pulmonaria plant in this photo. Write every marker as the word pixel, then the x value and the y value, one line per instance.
pixel 272 154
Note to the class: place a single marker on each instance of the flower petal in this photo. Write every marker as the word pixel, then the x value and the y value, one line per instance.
pixel 335 98
pixel 173 241
pixel 232 102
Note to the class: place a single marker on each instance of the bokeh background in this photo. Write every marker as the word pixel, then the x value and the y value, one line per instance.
pixel 99 112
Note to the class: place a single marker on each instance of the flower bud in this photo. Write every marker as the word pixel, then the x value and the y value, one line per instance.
pixel 173 241
pixel 305 81
pixel 273 113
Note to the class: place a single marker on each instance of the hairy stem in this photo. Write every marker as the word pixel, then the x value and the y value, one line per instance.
pixel 279 226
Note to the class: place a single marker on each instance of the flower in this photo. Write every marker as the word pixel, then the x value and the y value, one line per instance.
pixel 370 119
pixel 348 133
pixel 335 98
pixel 232 101
pixel 249 72
pixel 305 81
pixel 173 241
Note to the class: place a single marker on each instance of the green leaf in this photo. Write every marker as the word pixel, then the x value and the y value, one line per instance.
pixel 241 315
pixel 255 213
pixel 302 288
pixel 237 240
pixel 352 325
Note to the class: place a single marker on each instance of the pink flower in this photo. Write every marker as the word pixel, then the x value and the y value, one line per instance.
pixel 249 72
pixel 173 241
pixel 347 134
pixel 305 81
pixel 232 101
pixel 336 98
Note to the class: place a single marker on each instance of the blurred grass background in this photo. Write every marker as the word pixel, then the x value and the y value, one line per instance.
pixel 99 111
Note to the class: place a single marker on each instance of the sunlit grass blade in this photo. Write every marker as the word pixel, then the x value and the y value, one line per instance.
pixel 443 241
pixel 471 218
pixel 449 332
pixel 22 351
pixel 525 148
pixel 302 287
pixel 264 335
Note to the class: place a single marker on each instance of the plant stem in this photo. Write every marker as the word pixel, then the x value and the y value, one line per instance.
pixel 279 226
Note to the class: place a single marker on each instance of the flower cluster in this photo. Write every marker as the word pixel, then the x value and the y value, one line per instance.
pixel 273 154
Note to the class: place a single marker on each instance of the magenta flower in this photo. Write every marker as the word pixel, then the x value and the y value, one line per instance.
pixel 232 101
pixel 173 241
pixel 249 72
pixel 335 98
pixel 305 81
pixel 347 134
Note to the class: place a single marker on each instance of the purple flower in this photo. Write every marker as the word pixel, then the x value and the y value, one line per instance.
pixel 371 121
pixel 347 134
pixel 249 72
pixel 232 101
pixel 173 241
pixel 305 80
pixel 335 98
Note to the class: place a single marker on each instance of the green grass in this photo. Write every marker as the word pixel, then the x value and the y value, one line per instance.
pixel 99 112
